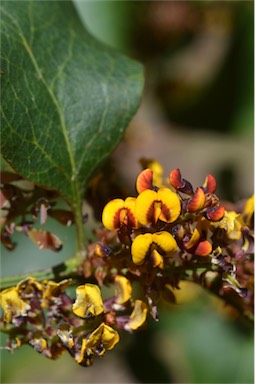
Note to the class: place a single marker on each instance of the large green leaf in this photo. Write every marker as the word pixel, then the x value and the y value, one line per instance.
pixel 66 98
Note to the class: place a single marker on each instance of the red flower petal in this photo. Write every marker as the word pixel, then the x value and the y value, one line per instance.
pixel 144 180
pixel 179 183
pixel 204 248
pixel 209 185
pixel 197 202
pixel 215 214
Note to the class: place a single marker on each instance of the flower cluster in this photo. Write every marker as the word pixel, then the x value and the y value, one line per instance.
pixel 172 232
pixel 44 316
pixel 149 244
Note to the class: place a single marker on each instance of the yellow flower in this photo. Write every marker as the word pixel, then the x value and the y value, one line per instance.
pixel 118 213
pixel 54 289
pixel 12 304
pixel 123 289
pixel 231 223
pixel 152 206
pixel 137 317
pixel 153 245
pixel 88 301
pixel 98 342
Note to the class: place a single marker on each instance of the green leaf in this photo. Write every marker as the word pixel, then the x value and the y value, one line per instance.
pixel 66 98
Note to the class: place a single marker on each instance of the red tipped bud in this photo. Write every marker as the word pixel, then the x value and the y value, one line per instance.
pixel 179 183
pixel 197 202
pixel 209 185
pixel 144 180
pixel 215 214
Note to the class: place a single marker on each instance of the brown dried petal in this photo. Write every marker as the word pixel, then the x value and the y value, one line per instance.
pixel 45 239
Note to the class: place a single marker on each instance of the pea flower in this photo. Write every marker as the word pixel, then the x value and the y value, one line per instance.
pixel 88 301
pixel 123 289
pixel 118 213
pixel 152 206
pixel 154 246
pixel 97 343
pixel 13 306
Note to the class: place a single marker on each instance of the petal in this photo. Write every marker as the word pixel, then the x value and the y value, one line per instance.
pixel 179 183
pixel 157 259
pixel 215 214
pixel 151 206
pixel 144 180
pixel 193 240
pixel 88 301
pixel 204 248
pixel 137 317
pixel 38 343
pixel 171 206
pixel 103 336
pixel 130 207
pixel 248 212
pixel 157 170
pixel 175 178
pixel 197 202
pixel 66 337
pixel 110 216
pixel 209 185
pixel 144 207
pixel 164 241
pixel 45 239
pixel 123 289
pixel 12 304
pixel 140 248
pixel 54 289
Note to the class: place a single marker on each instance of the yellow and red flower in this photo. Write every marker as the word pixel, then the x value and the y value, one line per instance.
pixel 118 213
pixel 152 206
pixel 153 246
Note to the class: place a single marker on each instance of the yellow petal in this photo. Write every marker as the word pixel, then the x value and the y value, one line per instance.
pixel 151 206
pixel 123 289
pixel 111 213
pixel 66 336
pixel 129 205
pixel 12 304
pixel 54 289
pixel 144 207
pixel 138 316
pixel 88 301
pixel 164 241
pixel 171 206
pixel 104 336
pixel 248 212
pixel 157 259
pixel 193 240
pixel 140 247
pixel 231 224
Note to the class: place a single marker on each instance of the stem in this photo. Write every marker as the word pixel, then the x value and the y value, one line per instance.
pixel 77 210
pixel 67 269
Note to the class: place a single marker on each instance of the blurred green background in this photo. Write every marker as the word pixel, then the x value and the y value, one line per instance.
pixel 196 114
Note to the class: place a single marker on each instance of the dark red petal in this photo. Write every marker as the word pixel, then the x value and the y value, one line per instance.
pixel 197 202
pixel 144 180
pixel 210 184
pixel 179 183
pixel 215 214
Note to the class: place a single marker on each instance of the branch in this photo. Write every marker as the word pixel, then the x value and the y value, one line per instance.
pixel 67 269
